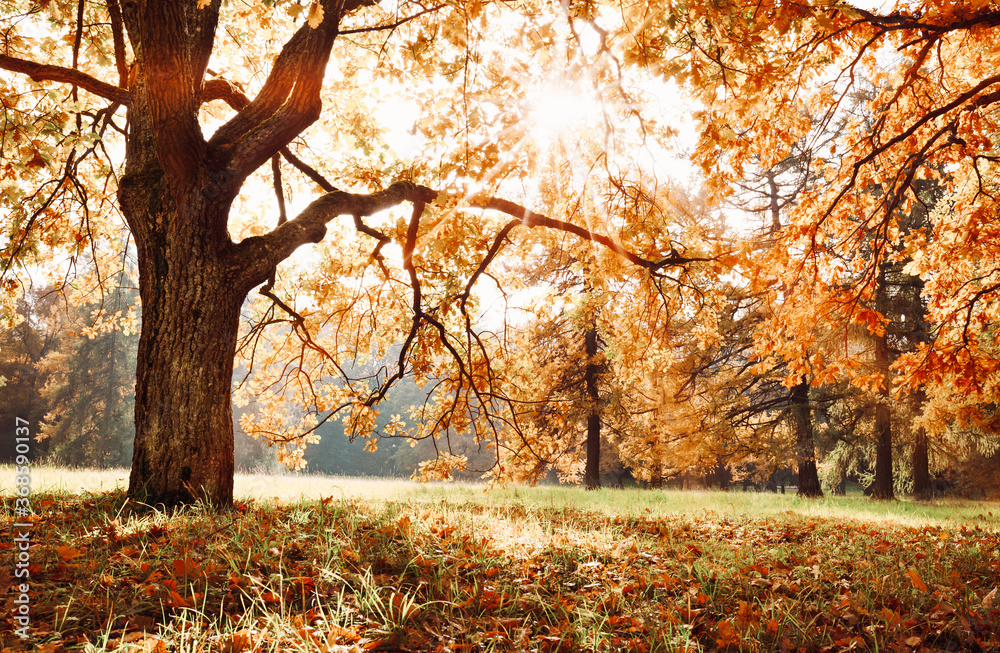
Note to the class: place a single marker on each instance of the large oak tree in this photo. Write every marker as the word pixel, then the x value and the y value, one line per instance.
pixel 204 96
pixel 177 117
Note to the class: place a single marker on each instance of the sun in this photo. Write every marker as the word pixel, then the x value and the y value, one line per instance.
pixel 560 114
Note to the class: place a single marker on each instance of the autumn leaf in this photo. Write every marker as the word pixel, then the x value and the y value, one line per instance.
pixel 340 635
pixel 183 567
pixel 239 641
pixel 916 580
pixel 67 552
pixel 315 16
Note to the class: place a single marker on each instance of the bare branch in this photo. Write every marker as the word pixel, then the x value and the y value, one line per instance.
pixel 392 26
pixel 532 219
pixel 47 73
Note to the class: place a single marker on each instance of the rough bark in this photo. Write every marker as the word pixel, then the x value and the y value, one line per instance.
pixel 191 288
pixel 592 472
pixel 805 448
pixel 176 194
pixel 184 447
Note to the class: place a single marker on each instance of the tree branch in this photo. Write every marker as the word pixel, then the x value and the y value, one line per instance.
pixel 532 219
pixel 118 35
pixel 877 151
pixel 289 100
pixel 40 72
pixel 176 40
pixel 222 89
pixel 392 26
pixel 261 253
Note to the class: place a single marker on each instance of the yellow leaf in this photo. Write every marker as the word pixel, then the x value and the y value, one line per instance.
pixel 315 15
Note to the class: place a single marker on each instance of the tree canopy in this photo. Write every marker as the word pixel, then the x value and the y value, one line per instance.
pixel 422 151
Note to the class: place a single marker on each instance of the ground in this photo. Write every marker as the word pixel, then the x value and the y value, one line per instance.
pixel 321 564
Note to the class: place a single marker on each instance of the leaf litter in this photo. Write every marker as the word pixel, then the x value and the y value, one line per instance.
pixel 333 576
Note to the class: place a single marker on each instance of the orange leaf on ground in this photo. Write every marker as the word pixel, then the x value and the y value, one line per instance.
pixel 67 553
pixel 338 634
pixel 239 641
pixel 184 567
pixel 916 580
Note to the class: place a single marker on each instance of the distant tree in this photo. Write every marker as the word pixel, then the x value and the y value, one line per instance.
pixel 24 343
pixel 930 117
pixel 766 397
pixel 89 388
pixel 577 410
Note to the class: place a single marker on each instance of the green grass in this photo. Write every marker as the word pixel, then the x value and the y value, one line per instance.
pixel 324 564
pixel 627 502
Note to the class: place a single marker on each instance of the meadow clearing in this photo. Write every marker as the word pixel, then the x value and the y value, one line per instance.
pixel 326 564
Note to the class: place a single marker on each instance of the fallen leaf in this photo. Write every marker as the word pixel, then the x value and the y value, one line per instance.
pixel 987 603
pixel 67 553
pixel 239 641
pixel 916 580
pixel 338 634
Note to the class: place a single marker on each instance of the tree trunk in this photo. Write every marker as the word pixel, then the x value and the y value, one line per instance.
pixel 192 284
pixel 592 474
pixel 922 490
pixel 921 467
pixel 805 449
pixel 184 443
pixel 882 486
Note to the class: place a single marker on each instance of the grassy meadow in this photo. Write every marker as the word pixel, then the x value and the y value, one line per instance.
pixel 325 564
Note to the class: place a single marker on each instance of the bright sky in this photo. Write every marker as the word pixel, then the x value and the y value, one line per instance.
pixel 559 113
